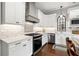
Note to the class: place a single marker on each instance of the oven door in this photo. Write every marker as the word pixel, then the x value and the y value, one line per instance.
pixel 37 43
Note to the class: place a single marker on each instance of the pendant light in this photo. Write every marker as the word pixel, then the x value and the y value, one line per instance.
pixel 61 15
pixel 61 21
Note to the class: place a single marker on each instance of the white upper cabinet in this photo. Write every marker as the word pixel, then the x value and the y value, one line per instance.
pixel 0 12
pixel 13 12
pixel 74 12
pixel 9 13
pixel 50 20
pixel 46 20
pixel 20 12
pixel 40 16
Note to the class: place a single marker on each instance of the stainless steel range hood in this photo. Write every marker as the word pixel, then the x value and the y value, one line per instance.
pixel 32 19
pixel 31 12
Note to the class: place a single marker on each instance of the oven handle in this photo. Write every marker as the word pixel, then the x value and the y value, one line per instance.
pixel 38 38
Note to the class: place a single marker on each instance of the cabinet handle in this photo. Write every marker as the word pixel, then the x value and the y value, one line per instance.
pixel 28 39
pixel 17 43
pixel 17 22
pixel 24 45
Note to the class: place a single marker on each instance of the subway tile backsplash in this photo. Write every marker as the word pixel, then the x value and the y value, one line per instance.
pixel 11 30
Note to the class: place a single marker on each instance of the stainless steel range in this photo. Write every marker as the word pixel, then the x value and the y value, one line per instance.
pixel 37 41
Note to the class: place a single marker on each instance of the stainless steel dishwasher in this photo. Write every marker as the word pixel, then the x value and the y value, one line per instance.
pixel 51 38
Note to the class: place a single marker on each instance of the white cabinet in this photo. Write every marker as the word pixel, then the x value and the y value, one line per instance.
pixel 44 39
pixel 50 20
pixel 0 12
pixel 40 16
pixel 13 12
pixel 20 12
pixel 19 48
pixel 46 20
pixel 61 38
pixel 29 48
pixel 0 47
pixel 74 13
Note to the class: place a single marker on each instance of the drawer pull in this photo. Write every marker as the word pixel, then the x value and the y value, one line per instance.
pixel 28 39
pixel 24 45
pixel 18 43
pixel 17 22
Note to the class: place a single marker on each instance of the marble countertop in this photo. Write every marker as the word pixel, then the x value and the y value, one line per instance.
pixel 14 38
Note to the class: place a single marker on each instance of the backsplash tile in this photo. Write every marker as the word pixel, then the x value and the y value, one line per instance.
pixel 11 30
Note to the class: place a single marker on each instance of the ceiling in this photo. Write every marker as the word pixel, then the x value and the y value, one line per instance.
pixel 47 7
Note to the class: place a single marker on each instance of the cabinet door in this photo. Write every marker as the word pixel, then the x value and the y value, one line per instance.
pixel 74 13
pixel 15 50
pixel 14 12
pixel 23 48
pixel 12 51
pixel 46 20
pixel 41 17
pixel 18 49
pixel 0 12
pixel 29 47
pixel 49 20
pixel 10 12
pixel 58 38
pixel 61 38
pixel 44 39
pixel 20 12
pixel 0 48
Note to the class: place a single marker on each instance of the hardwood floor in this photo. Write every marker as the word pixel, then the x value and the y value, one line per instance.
pixel 48 51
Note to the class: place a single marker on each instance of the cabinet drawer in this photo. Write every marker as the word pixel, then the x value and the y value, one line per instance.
pixel 20 42
pixel 16 43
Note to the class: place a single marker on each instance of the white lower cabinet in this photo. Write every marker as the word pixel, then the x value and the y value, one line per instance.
pixel 0 47
pixel 19 48
pixel 61 38
pixel 44 39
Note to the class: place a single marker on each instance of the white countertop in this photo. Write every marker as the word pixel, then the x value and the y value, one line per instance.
pixel 14 38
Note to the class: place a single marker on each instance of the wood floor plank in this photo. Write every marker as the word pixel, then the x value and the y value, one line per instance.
pixel 48 51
